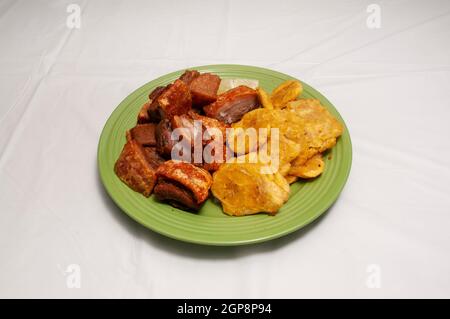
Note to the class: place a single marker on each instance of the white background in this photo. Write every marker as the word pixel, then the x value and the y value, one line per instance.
pixel 59 85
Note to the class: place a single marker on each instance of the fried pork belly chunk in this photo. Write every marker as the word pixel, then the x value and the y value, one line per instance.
pixel 134 170
pixel 176 195
pixel 143 116
pixel 233 104
pixel 204 89
pixel 164 142
pixel 185 125
pixel 144 134
pixel 153 158
pixel 214 155
pixel 174 100
pixel 188 76
pixel 182 183
pixel 212 129
pixel 149 112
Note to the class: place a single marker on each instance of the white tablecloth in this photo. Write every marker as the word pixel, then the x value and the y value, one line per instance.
pixel 387 235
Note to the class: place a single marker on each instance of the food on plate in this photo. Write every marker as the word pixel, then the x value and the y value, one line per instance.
pixel 212 128
pixel 313 167
pixel 320 127
pixel 233 104
pixel 215 154
pixel 174 100
pixel 243 190
pixel 149 111
pixel 204 88
pixel 188 76
pixel 228 84
pixel 264 98
pixel 254 144
pixel 143 116
pixel 291 178
pixel 182 184
pixel 144 134
pixel 163 136
pixel 286 92
pixel 152 156
pixel 134 170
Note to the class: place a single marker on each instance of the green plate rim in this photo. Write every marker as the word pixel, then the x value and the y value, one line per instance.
pixel 103 171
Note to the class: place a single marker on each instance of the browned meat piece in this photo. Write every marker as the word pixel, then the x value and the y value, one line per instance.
pixel 175 195
pixel 134 170
pixel 152 157
pixel 147 113
pixel 144 134
pixel 192 178
pixel 143 116
pixel 233 104
pixel 188 76
pixel 204 89
pixel 211 162
pixel 156 92
pixel 164 143
pixel 215 130
pixel 175 100
pixel 190 131
pixel 153 110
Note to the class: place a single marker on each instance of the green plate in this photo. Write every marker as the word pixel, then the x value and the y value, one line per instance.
pixel 210 226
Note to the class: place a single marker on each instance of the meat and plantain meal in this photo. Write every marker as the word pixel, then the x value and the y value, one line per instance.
pixel 202 136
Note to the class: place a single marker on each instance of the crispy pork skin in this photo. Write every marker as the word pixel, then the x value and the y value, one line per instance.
pixel 163 134
pixel 153 158
pixel 175 100
pixel 188 76
pixel 192 178
pixel 148 112
pixel 175 194
pixel 143 116
pixel 134 170
pixel 144 134
pixel 212 129
pixel 204 89
pixel 156 92
pixel 231 105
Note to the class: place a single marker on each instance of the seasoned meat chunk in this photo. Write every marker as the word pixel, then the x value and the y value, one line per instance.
pixel 212 128
pixel 144 134
pixel 148 112
pixel 156 92
pixel 175 194
pixel 193 178
pixel 188 76
pixel 164 142
pixel 185 126
pixel 153 158
pixel 134 170
pixel 204 89
pixel 175 100
pixel 143 116
pixel 214 155
pixel 233 104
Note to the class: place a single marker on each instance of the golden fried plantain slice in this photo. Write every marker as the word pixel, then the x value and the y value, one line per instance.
pixel 264 98
pixel 312 168
pixel 291 178
pixel 321 129
pixel 286 92
pixel 243 190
